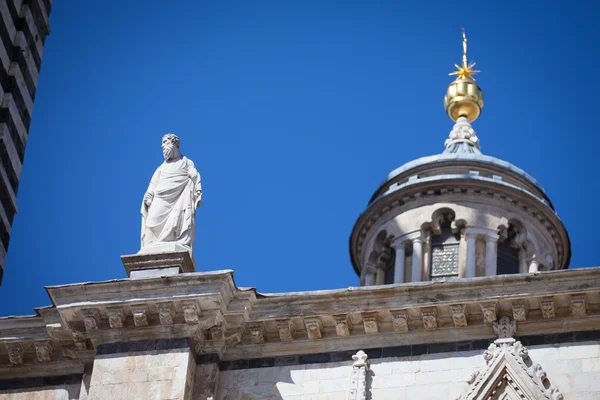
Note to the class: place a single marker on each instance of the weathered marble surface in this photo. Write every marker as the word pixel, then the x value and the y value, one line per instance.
pixel 152 375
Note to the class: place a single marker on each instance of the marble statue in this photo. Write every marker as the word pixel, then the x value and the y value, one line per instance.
pixel 169 205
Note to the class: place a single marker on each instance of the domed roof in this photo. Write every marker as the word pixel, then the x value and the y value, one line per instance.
pixel 463 149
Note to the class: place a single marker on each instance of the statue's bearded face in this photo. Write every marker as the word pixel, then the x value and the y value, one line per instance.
pixel 169 147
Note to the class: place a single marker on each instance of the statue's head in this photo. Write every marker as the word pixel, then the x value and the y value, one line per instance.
pixel 170 146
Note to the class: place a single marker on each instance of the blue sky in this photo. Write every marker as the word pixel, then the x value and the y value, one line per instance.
pixel 293 112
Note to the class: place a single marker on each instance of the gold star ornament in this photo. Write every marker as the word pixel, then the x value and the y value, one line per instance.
pixel 464 71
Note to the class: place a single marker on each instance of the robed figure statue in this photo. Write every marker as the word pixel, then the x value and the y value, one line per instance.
pixel 169 205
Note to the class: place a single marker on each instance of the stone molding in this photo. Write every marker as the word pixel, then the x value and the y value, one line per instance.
pixel 239 324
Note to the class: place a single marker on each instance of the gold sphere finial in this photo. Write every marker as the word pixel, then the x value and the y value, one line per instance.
pixel 464 98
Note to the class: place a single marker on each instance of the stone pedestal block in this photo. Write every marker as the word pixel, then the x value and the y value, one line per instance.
pixel 151 265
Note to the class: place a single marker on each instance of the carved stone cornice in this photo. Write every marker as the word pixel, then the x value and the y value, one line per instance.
pixel 273 325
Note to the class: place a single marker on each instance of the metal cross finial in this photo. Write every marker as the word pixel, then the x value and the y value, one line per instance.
pixel 464 57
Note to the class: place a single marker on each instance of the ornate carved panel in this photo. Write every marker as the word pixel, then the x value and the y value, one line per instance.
pixel 444 261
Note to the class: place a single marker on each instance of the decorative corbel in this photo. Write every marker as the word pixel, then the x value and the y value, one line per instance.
pixel 115 318
pixel 286 330
pixel 459 315
pixel 314 327
pixel 578 305
pixel 490 311
pixel 91 319
pixel 547 306
pixel 400 320
pixel 165 313
pixel 429 315
pixel 257 332
pixel 43 350
pixel 520 308
pixel 343 325
pixel 190 311
pixel 140 315
pixel 370 322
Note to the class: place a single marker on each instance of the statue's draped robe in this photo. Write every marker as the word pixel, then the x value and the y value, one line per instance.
pixel 171 215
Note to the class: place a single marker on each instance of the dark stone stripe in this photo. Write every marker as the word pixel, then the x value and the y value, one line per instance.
pixel 6 117
pixel 38 19
pixel 18 57
pixel 7 204
pixel 4 235
pixel 15 54
pixel 22 25
pixel 8 167
pixel 11 384
pixel 13 88
pixel 143 345
pixel 48 6
pixel 397 351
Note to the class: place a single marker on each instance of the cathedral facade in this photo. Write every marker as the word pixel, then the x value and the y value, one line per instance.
pixel 464 294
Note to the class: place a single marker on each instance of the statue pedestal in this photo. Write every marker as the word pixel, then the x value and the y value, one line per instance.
pixel 152 265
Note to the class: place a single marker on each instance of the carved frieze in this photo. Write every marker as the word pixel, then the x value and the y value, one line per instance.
pixel 490 311
pixel 140 315
pixel 115 318
pixel 165 313
pixel 314 327
pixel 43 351
pixel 578 305
pixel 400 320
pixel 91 319
pixel 459 315
pixel 286 330
pixel 370 322
pixel 343 325
pixel 547 306
pixel 520 308
pixel 429 315
pixel 257 332
pixel 190 311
